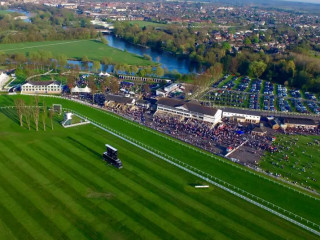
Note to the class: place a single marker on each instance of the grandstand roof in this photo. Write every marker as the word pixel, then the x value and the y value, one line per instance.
pixel 190 106
pixel 241 111
pixel 300 121
pixel 119 99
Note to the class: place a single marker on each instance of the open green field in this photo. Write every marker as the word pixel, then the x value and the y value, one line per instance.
pixel 145 23
pixel 297 160
pixel 54 185
pixel 76 49
pixel 3 12
pixel 284 196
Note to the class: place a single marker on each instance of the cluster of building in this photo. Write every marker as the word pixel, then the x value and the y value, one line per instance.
pixel 178 107
pixel 235 24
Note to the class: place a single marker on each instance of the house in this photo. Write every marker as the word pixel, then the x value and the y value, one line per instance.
pixel 189 110
pixel 48 87
pixel 299 123
pixel 241 115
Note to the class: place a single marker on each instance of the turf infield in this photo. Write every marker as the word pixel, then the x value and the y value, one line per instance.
pixel 270 191
pixel 54 185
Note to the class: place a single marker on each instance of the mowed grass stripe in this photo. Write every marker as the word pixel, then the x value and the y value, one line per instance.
pixel 73 197
pixel 231 215
pixel 134 159
pixel 157 200
pixel 230 207
pixel 16 218
pixel 19 190
pixel 58 201
pixel 159 185
pixel 270 191
pixel 152 219
pixel 74 177
pixel 148 175
pixel 5 231
pixel 95 153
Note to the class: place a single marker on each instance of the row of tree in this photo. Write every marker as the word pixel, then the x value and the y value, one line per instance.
pixel 296 70
pixel 29 113
pixel 46 24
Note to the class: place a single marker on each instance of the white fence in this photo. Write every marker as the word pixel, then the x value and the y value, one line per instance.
pixel 270 207
pixel 211 179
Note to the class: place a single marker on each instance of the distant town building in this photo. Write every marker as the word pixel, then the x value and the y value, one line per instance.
pixel 48 87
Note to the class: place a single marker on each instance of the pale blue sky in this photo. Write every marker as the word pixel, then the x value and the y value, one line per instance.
pixel 309 1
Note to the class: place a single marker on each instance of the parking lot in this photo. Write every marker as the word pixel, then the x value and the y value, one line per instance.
pixel 244 92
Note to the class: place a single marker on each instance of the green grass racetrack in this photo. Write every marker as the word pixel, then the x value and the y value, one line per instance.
pixel 54 185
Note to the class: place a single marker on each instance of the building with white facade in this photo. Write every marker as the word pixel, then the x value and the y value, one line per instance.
pixel 240 115
pixel 48 87
pixel 189 110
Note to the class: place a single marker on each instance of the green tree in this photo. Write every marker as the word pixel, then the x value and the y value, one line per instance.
pixel 134 69
pixel 85 59
pixel 147 57
pixel 291 68
pixel 226 46
pixel 62 60
pixel 247 41
pixel 96 66
pixel 104 40
pixel 159 71
pixel 257 68
pixel 142 72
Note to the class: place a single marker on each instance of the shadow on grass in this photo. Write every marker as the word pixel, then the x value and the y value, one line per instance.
pixel 11 114
pixel 81 145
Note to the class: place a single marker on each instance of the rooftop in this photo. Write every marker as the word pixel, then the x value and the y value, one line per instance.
pixel 240 111
pixel 43 83
pixel 119 99
pixel 301 121
pixel 190 106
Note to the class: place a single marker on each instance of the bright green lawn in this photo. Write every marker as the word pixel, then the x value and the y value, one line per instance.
pixel 145 23
pixel 54 185
pixel 224 170
pixel 2 12
pixel 76 49
pixel 303 162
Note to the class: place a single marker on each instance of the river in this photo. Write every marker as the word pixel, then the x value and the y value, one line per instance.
pixel 167 60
